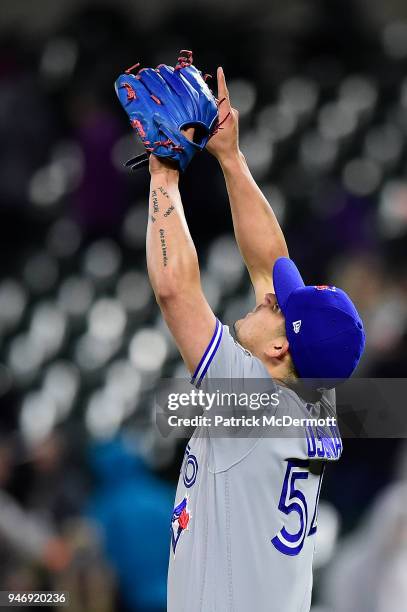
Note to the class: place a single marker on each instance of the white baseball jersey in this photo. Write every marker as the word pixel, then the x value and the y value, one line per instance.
pixel 244 522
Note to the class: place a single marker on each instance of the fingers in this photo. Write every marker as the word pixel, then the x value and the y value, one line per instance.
pixel 222 87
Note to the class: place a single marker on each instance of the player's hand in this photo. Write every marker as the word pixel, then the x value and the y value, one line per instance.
pixel 160 165
pixel 225 143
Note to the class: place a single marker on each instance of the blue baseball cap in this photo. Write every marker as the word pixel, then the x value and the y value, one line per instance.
pixel 324 330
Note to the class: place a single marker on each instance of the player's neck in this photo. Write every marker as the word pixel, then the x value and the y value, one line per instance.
pixel 305 392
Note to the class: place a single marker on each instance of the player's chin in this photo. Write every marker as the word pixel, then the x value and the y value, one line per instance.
pixel 236 326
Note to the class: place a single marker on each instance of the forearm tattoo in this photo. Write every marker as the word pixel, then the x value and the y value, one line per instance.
pixel 155 201
pixel 163 247
pixel 169 211
pixel 164 192
pixel 156 214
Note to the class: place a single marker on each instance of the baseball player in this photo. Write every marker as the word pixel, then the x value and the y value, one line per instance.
pixel 245 514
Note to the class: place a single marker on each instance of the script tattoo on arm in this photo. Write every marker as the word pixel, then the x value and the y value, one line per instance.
pixel 165 193
pixel 163 247
pixel 169 211
pixel 155 201
pixel 156 214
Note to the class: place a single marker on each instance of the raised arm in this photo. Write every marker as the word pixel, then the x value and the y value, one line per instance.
pixel 173 267
pixel 258 233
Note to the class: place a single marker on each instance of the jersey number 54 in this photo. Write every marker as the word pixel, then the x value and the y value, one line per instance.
pixel 293 500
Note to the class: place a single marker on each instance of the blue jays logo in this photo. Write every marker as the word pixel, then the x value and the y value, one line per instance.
pixel 179 521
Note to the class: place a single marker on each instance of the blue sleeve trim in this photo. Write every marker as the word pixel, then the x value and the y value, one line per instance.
pixel 208 355
pixel 208 348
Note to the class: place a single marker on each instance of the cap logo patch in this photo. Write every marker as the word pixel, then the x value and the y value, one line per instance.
pixel 297 326
pixel 325 288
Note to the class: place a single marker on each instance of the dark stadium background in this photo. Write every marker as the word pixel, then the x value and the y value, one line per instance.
pixel 86 480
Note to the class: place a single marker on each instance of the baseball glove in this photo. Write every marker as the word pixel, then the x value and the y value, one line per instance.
pixel 161 102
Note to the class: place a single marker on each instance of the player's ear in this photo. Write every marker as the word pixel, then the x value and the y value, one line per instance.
pixel 277 348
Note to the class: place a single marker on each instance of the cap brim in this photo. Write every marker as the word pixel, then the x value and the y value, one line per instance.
pixel 286 279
